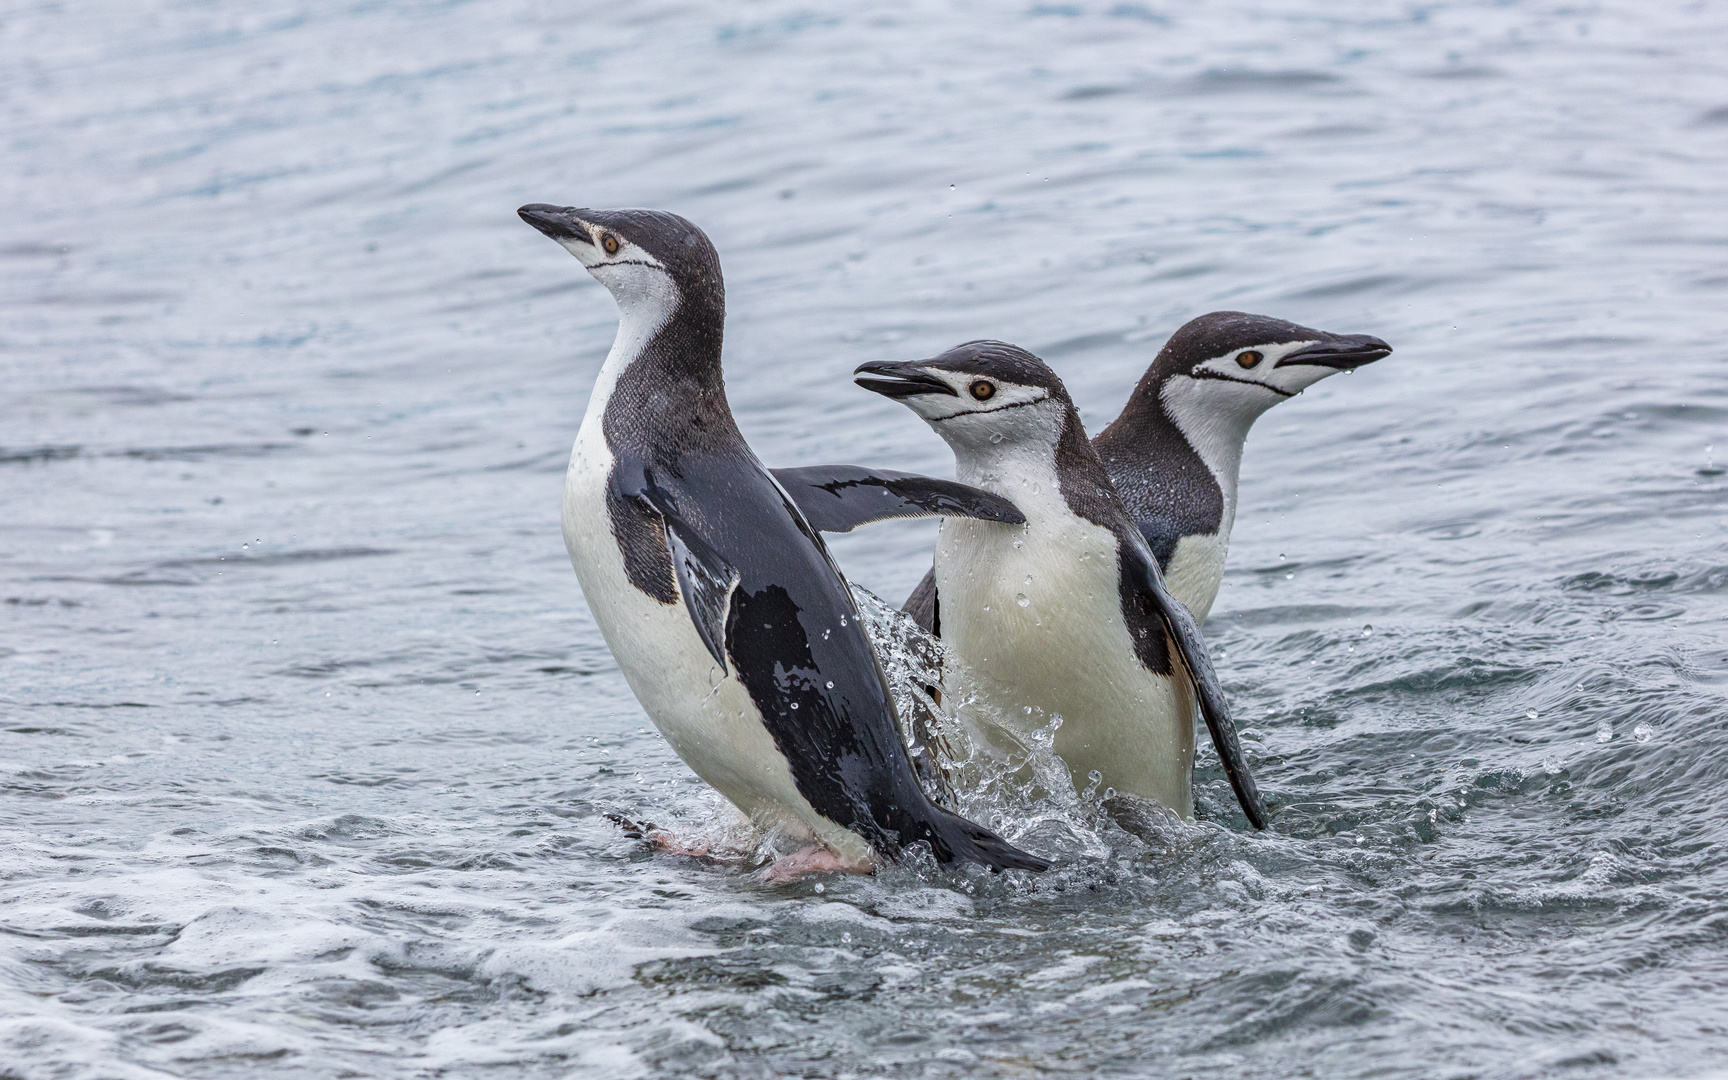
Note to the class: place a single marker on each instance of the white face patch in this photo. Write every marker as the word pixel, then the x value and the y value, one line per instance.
pixel 639 282
pixel 1216 405
pixel 989 417
pixel 607 248
pixel 611 258
pixel 1257 366
pixel 975 396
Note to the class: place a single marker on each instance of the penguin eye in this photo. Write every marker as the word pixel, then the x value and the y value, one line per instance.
pixel 610 243
pixel 1249 358
pixel 983 389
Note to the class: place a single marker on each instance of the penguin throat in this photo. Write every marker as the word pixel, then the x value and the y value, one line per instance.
pixel 1023 472
pixel 644 309
pixel 663 370
pixel 1005 442
pixel 1213 418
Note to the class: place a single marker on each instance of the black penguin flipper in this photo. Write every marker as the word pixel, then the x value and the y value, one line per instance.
pixel 971 842
pixel 704 576
pixel 839 498
pixel 1184 631
pixel 923 605
pixel 744 555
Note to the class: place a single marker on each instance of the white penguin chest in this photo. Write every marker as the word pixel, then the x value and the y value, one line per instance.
pixel 663 658
pixel 705 713
pixel 1035 614
pixel 1039 594
pixel 1197 569
pixel 1216 434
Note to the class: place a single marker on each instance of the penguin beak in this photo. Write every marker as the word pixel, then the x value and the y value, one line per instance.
pixel 558 222
pixel 1342 353
pixel 900 380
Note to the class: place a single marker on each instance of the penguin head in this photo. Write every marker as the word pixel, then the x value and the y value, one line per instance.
pixel 635 253
pixel 1248 363
pixel 979 395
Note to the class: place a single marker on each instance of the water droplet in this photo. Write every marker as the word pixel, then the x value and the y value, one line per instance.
pixel 1020 598
pixel 1604 731
pixel 1028 579
pixel 794 706
pixel 1368 630
pixel 820 888
pixel 830 684
pixel 826 634
pixel 986 607
pixel 1109 793
pixel 1643 732
pixel 846 939
pixel 842 620
pixel 1289 577
pixel 996 438
pixel 1095 776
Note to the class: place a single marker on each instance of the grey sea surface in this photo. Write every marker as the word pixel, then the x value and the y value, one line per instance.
pixel 307 739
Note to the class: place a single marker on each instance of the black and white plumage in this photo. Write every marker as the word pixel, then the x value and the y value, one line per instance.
pixel 720 602
pixel 1066 615
pixel 1176 451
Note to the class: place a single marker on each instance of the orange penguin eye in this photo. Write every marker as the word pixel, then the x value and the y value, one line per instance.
pixel 610 243
pixel 983 389
pixel 1249 358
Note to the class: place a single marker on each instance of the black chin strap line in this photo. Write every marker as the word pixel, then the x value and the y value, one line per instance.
pixel 1208 373
pixel 986 412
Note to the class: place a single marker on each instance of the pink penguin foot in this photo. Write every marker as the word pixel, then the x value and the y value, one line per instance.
pixel 672 845
pixel 815 859
pixel 666 840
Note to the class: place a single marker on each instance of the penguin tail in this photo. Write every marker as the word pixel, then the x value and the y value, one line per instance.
pixel 957 840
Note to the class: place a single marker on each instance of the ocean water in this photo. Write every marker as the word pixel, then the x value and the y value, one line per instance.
pixel 307 742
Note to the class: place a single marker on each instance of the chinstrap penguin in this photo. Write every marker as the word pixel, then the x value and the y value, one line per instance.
pixel 1067 614
pixel 1176 451
pixel 719 600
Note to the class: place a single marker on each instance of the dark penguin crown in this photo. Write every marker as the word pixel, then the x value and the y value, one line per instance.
pixel 678 245
pixel 1222 332
pixel 681 247
pixel 1001 361
pixel 692 339
pixel 1085 486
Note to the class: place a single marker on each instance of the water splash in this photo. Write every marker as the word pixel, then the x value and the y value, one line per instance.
pixel 999 770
